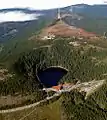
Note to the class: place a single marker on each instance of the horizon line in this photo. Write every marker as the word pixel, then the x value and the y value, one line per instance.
pixel 31 8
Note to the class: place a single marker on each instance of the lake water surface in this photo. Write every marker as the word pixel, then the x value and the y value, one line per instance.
pixel 51 76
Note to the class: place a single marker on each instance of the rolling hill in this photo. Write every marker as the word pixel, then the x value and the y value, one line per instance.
pixel 60 28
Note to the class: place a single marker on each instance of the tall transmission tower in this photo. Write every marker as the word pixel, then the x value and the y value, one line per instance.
pixel 59 14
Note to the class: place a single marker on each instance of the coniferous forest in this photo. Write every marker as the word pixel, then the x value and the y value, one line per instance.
pixel 84 63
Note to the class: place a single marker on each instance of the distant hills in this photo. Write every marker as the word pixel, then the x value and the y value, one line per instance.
pixel 91 10
pixel 92 18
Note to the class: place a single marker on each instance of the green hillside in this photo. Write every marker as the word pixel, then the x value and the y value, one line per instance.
pixel 85 62
pixel 91 24
pixel 85 59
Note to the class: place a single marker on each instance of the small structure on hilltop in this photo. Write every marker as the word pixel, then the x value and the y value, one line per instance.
pixel 49 37
pixel 75 44
pixel 64 86
pixel 58 87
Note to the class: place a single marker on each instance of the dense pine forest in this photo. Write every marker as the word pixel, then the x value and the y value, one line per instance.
pixel 78 61
pixel 85 62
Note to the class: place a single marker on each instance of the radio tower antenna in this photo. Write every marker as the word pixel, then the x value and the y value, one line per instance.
pixel 59 14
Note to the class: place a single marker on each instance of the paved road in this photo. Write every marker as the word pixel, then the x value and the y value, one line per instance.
pixel 29 106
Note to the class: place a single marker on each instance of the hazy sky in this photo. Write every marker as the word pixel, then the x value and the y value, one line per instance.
pixel 35 4
pixel 44 4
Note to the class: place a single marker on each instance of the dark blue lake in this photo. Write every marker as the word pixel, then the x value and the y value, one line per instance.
pixel 51 76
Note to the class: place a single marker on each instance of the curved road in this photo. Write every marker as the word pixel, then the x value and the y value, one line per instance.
pixel 29 106
pixel 88 87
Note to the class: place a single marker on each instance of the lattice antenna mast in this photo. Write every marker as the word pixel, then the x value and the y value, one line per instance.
pixel 72 9
pixel 59 13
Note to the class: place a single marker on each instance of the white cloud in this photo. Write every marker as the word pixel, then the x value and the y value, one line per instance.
pixel 17 16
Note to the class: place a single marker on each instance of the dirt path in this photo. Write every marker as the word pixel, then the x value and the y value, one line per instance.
pixel 28 106
pixel 88 87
